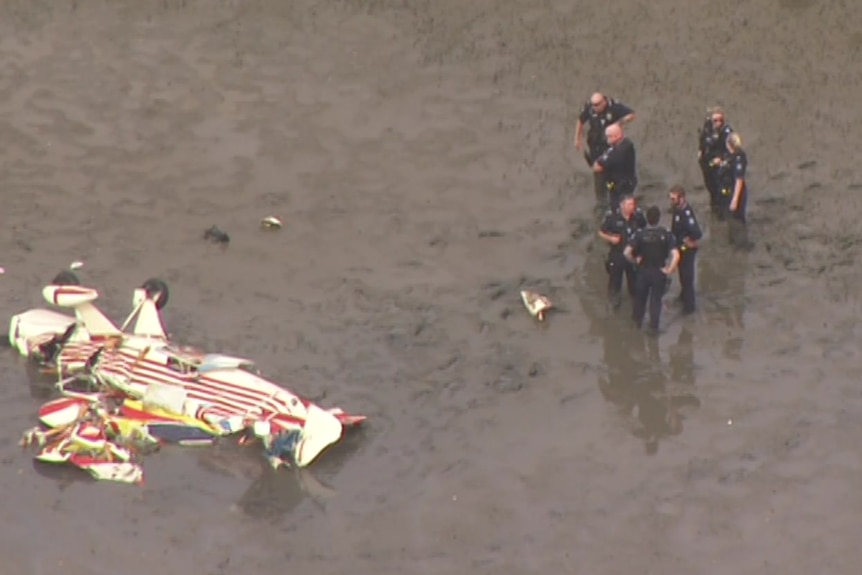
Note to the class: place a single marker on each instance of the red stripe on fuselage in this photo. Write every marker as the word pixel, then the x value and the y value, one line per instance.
pixel 235 399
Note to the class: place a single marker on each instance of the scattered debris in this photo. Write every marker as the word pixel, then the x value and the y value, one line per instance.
pixel 216 235
pixel 270 223
pixel 278 447
pixel 105 446
pixel 125 390
pixel 2 270
pixel 536 304
pixel 76 265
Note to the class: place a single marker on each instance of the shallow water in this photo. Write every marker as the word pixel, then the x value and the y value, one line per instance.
pixel 421 160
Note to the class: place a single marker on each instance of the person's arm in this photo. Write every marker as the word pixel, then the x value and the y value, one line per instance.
pixel 693 228
pixel 602 162
pixel 579 130
pixel 674 261
pixel 632 249
pixel 624 114
pixel 737 192
pixel 606 233
pixel 702 138
pixel 739 182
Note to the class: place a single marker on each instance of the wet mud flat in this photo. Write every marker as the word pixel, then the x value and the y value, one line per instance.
pixel 420 157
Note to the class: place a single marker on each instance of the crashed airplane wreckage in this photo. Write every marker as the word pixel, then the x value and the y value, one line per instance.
pixel 126 390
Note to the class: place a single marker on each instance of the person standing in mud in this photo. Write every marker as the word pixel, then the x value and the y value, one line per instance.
pixel 617 230
pixel 650 249
pixel 599 113
pixel 711 150
pixel 618 165
pixel 687 233
pixel 734 191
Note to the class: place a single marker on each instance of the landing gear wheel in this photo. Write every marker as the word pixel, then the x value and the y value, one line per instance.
pixel 66 278
pixel 155 286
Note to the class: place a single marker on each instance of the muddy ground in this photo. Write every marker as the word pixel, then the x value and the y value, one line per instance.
pixel 420 154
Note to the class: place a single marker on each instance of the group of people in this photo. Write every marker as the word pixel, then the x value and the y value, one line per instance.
pixel 642 252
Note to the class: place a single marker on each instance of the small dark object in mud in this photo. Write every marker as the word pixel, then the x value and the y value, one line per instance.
pixel 215 235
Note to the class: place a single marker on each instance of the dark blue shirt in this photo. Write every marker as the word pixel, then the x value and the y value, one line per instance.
pixel 619 163
pixel 733 168
pixel 713 143
pixel 654 245
pixel 684 225
pixel 616 224
pixel 614 112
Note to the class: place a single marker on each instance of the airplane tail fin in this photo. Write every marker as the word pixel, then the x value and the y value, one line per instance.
pixel 145 319
pixel 80 299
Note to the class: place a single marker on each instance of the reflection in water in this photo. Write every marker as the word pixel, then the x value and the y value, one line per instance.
pixel 639 383
pixel 722 285
pixel 649 393
pixel 275 493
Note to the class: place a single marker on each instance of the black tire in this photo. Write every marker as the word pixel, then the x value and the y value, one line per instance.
pixel 157 286
pixel 66 278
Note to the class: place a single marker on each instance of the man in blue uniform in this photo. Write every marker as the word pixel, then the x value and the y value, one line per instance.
pixel 687 233
pixel 617 230
pixel 711 149
pixel 650 249
pixel 597 114
pixel 618 164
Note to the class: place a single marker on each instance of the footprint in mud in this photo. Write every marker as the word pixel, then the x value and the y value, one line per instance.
pixel 770 201
pixel 510 370
pixel 647 187
pixel 508 380
pixel 23 245
pixel 581 227
pixel 507 384
pixel 699 468
pixel 535 369
pixel 496 290
pixel 761 220
pixel 740 469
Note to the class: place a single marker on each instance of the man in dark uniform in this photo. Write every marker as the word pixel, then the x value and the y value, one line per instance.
pixel 687 233
pixel 618 229
pixel 734 192
pixel 650 249
pixel 599 113
pixel 618 164
pixel 711 149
